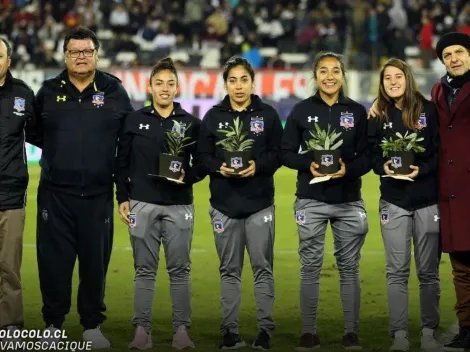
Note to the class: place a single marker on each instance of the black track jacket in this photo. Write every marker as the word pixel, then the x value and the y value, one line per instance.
pixel 242 197
pixel 17 120
pixel 78 133
pixel 347 117
pixel 405 194
pixel 140 144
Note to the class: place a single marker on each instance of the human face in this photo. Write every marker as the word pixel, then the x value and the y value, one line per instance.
pixel 456 59
pixel 329 76
pixel 394 82
pixel 5 61
pixel 239 85
pixel 164 86
pixel 81 56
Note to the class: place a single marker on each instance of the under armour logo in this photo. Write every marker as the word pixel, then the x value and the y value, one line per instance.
pixel 436 218
pixel 188 216
pixel 362 214
pixel 61 98
pixel 106 221
pixel 388 125
pixel 268 218
pixel 223 125
pixel 142 126
pixel 310 119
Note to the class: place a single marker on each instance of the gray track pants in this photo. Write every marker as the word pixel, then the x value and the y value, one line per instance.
pixel 399 227
pixel 172 226
pixel 256 232
pixel 349 224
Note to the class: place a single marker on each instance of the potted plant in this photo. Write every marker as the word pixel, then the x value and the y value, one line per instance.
pixel 401 151
pixel 325 146
pixel 237 148
pixel 171 163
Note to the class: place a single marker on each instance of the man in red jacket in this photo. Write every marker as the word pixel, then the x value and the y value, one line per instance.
pixel 452 98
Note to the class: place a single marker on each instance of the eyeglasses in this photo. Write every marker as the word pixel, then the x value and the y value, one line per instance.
pixel 86 53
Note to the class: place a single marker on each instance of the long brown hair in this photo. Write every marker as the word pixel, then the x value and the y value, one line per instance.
pixel 413 100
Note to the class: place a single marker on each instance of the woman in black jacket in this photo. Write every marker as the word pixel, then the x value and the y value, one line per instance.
pixel 159 209
pixel 408 209
pixel 242 202
pixel 337 198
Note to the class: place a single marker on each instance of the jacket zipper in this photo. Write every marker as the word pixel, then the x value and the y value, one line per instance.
pixel 81 142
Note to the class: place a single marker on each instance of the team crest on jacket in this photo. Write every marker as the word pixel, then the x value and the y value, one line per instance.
pixel 327 160
pixel 396 162
pixel 384 216
pixel 218 226
pixel 257 124
pixel 346 120
pixel 421 122
pixel 19 106
pixel 236 162
pixel 175 166
pixel 98 99
pixel 300 217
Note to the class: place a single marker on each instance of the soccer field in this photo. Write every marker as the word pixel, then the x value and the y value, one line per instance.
pixel 205 283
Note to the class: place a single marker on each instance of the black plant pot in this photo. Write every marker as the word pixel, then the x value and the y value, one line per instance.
pixel 170 166
pixel 328 160
pixel 238 160
pixel 401 162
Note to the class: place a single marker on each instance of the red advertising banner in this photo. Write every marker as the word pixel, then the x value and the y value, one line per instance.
pixel 275 85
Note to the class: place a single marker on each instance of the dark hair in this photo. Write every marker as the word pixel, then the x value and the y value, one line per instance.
pixel 9 51
pixel 413 100
pixel 163 64
pixel 238 61
pixel 328 54
pixel 81 33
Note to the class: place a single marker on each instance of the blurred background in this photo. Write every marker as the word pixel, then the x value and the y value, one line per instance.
pixel 279 37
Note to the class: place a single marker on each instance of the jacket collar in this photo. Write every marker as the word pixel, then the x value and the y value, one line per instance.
pixel 99 81
pixel 8 80
pixel 254 105
pixel 177 110
pixel 342 99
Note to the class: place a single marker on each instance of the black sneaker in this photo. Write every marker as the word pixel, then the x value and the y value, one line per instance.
pixel 350 342
pixel 460 342
pixel 262 341
pixel 308 342
pixel 232 342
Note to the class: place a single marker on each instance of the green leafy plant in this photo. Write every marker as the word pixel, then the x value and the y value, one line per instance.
pixel 235 138
pixel 176 139
pixel 402 143
pixel 323 140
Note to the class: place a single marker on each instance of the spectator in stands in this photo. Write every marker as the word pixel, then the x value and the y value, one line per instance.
pixel 119 19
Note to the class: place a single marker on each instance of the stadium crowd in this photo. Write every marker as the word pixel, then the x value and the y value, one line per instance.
pixel 155 28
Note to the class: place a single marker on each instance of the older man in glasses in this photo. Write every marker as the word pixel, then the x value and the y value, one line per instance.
pixel 79 115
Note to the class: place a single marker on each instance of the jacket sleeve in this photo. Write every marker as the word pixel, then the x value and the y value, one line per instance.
pixel 195 171
pixel 375 152
pixel 206 148
pixel 290 145
pixel 122 163
pixel 360 164
pixel 31 123
pixel 124 102
pixel 269 161
pixel 34 124
pixel 432 149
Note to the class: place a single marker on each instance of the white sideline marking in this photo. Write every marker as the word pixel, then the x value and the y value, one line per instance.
pixel 204 251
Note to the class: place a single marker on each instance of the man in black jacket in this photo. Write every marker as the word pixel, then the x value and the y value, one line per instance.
pixel 16 120
pixel 80 113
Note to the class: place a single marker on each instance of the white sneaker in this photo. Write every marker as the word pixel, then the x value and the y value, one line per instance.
pixel 142 340
pixel 47 341
pixel 428 340
pixel 95 336
pixel 401 342
pixel 181 339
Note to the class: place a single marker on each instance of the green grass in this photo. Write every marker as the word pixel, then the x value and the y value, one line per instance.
pixel 205 283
